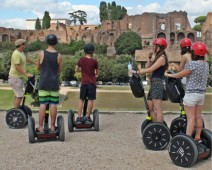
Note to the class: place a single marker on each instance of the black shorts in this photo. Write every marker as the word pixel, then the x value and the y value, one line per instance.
pixel 88 91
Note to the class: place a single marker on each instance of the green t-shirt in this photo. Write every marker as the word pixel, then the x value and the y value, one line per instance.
pixel 17 58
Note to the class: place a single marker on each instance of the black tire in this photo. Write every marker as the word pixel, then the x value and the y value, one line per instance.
pixel 183 151
pixel 28 110
pixel 31 129
pixel 70 121
pixel 206 137
pixel 96 119
pixel 156 136
pixel 60 125
pixel 178 126
pixel 16 118
pixel 144 125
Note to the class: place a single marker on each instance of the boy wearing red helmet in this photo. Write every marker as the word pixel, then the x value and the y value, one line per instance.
pixel 196 73
pixel 157 67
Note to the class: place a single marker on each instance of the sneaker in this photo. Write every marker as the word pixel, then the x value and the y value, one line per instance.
pixel 201 147
pixel 87 119
pixel 78 120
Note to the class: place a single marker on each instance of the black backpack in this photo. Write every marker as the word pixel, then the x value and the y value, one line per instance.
pixel 136 86
pixel 174 89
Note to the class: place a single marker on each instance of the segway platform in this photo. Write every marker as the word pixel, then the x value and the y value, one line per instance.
pixel 93 125
pixel 47 134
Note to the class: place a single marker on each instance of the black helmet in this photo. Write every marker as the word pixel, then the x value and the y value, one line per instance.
pixel 51 39
pixel 89 49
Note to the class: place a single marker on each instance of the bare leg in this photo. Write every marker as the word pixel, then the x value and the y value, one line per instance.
pixel 199 121
pixel 17 101
pixel 42 112
pixel 81 102
pixel 53 114
pixel 90 107
pixel 158 109
pixel 151 110
pixel 190 114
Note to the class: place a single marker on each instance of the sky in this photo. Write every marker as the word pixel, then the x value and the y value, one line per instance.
pixel 13 13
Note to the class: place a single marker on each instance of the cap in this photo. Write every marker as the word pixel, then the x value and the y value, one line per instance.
pixel 19 42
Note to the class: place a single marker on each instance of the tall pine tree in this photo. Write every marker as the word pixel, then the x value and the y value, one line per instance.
pixel 46 20
pixel 37 24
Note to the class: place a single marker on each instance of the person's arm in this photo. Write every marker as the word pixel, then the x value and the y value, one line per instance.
pixel 59 60
pixel 77 69
pixel 183 73
pixel 160 62
pixel 182 63
pixel 39 61
pixel 97 72
pixel 20 70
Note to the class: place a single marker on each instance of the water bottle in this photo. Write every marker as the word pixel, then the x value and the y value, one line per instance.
pixel 129 68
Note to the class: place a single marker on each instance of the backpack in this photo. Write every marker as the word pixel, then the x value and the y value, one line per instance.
pixel 29 88
pixel 136 86
pixel 174 89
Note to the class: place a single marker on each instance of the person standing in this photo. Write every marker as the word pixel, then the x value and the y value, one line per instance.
pixel 157 67
pixel 18 71
pixel 49 64
pixel 89 68
pixel 196 73
pixel 185 45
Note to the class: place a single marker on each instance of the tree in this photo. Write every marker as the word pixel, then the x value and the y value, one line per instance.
pixel 82 17
pixel 103 11
pixel 6 62
pixel 199 20
pixel 78 15
pixel 111 11
pixel 37 24
pixel 127 43
pixel 46 20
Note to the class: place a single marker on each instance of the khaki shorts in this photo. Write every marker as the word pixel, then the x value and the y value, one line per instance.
pixel 17 84
pixel 193 99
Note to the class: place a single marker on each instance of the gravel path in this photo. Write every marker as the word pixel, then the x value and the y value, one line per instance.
pixel 117 146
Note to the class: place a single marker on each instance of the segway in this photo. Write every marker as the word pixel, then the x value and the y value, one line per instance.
pixel 93 125
pixel 16 118
pixel 184 151
pixel 47 134
pixel 175 93
pixel 156 136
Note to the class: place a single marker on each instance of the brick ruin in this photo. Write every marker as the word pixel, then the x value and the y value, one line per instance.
pixel 173 26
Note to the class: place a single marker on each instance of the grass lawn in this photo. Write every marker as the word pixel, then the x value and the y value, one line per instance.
pixel 106 101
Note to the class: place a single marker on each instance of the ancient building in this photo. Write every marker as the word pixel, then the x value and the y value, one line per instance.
pixel 173 26
pixel 207 32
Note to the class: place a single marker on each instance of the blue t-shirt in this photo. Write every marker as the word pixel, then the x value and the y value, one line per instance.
pixel 197 80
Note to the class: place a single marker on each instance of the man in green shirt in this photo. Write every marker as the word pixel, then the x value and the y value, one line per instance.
pixel 18 71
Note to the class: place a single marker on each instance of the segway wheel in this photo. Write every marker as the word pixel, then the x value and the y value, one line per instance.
pixel 144 125
pixel 31 129
pixel 96 119
pixel 70 121
pixel 156 136
pixel 16 118
pixel 183 151
pixel 206 136
pixel 60 125
pixel 178 126
pixel 28 110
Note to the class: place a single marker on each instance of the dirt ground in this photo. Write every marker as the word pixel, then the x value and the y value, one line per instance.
pixel 117 146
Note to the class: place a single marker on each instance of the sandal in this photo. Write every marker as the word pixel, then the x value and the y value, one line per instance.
pixel 39 130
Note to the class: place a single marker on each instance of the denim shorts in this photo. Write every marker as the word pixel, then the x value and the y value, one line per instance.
pixel 193 99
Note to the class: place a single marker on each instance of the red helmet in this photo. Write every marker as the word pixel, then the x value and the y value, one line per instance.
pixel 160 42
pixel 199 48
pixel 185 42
